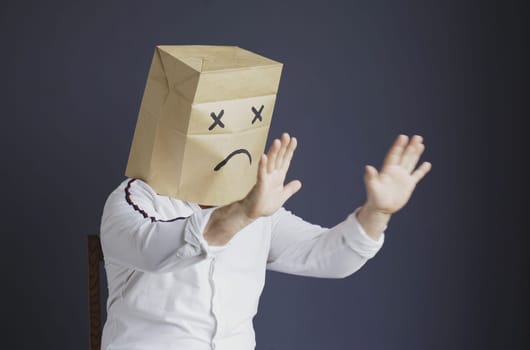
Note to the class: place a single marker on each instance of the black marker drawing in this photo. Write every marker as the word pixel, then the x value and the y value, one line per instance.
pixel 238 151
pixel 217 120
pixel 257 114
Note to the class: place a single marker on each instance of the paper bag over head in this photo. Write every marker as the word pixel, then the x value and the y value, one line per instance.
pixel 203 122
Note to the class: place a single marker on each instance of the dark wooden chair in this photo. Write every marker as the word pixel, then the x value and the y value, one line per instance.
pixel 95 257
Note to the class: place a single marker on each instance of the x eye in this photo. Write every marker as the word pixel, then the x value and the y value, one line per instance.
pixel 257 114
pixel 217 120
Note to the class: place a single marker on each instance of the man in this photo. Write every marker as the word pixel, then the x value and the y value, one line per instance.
pixel 188 274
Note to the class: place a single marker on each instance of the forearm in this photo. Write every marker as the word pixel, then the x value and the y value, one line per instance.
pixel 301 248
pixel 373 221
pixel 225 222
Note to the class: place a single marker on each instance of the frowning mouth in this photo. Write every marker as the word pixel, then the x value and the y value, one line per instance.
pixel 236 152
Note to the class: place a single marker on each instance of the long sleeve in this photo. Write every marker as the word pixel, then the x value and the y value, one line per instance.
pixel 140 233
pixel 302 248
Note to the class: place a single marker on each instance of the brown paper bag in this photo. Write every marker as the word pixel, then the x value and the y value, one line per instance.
pixel 203 122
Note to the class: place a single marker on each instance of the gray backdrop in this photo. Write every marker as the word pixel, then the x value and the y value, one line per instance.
pixel 453 273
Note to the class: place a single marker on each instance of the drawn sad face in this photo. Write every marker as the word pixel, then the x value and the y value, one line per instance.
pixel 224 142
pixel 217 122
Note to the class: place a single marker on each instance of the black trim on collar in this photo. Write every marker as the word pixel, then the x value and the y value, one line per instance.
pixel 140 210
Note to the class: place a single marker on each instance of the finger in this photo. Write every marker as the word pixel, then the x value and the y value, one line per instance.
pixel 370 173
pixel 291 188
pixel 262 167
pixel 273 152
pixel 289 154
pixel 412 153
pixel 422 170
pixel 394 153
pixel 284 143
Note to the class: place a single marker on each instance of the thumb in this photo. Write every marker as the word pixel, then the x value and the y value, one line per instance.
pixel 291 188
pixel 370 173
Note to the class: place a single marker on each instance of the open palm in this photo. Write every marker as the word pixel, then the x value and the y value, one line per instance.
pixel 270 193
pixel 390 189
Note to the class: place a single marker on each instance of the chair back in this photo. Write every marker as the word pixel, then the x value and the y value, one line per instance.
pixel 95 257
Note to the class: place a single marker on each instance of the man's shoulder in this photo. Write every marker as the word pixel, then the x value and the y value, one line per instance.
pixel 135 195
pixel 140 188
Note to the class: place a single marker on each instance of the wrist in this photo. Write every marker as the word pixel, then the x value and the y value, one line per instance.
pixel 372 220
pixel 247 209
pixel 244 211
pixel 225 222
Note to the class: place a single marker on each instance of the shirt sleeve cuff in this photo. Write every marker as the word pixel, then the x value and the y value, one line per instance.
pixel 359 240
pixel 193 234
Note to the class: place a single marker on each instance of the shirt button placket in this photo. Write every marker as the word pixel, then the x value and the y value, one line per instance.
pixel 213 303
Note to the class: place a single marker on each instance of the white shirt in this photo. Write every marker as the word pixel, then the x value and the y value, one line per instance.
pixel 170 290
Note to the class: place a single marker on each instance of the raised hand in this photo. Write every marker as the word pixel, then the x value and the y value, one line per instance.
pixel 267 196
pixel 390 189
pixel 270 193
